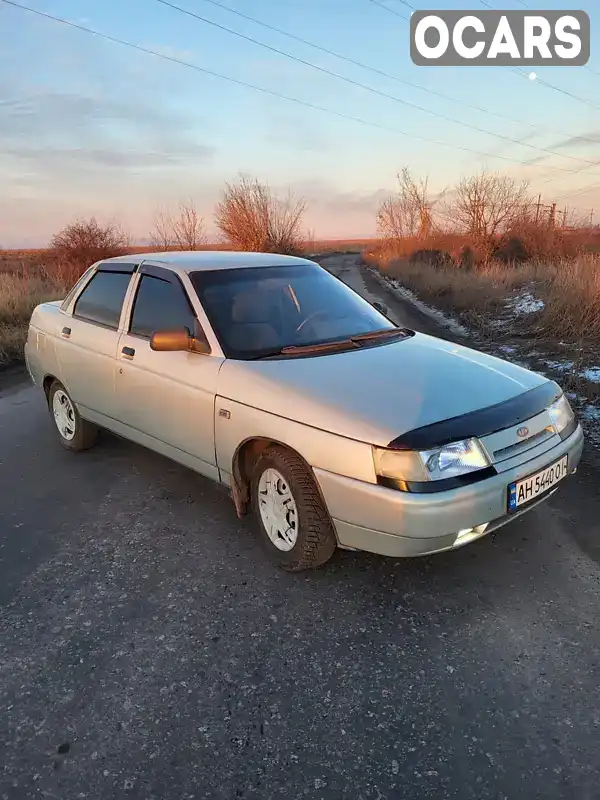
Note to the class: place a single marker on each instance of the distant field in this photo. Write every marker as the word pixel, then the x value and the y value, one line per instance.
pixel 24 260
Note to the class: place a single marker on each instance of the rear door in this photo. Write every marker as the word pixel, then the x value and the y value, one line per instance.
pixel 89 337
pixel 167 398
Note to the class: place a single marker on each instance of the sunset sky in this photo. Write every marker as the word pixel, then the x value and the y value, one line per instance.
pixel 89 126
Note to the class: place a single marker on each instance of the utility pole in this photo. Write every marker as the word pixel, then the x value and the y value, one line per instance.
pixel 537 208
pixel 592 218
pixel 564 218
pixel 552 215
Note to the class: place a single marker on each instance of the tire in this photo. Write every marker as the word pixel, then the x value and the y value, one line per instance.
pixel 74 433
pixel 281 480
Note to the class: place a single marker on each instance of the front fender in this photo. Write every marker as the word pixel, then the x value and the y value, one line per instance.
pixel 236 423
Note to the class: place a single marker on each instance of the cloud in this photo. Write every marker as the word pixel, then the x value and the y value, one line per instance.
pixel 586 139
pixel 67 135
pixel 327 198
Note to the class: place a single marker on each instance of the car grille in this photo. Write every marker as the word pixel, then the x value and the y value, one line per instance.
pixel 509 447
pixel 522 445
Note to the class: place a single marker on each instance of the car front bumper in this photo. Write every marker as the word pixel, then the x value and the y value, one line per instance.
pixel 374 518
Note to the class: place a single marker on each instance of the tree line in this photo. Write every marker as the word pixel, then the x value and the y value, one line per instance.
pixel 483 216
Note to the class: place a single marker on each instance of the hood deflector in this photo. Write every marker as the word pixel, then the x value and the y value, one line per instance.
pixel 480 423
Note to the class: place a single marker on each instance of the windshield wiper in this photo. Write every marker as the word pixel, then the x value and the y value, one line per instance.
pixel 382 334
pixel 351 343
pixel 300 349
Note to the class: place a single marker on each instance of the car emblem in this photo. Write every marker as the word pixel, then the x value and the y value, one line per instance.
pixel 523 432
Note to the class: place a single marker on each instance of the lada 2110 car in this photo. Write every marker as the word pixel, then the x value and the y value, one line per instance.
pixel 272 377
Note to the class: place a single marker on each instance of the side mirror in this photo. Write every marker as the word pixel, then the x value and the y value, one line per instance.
pixel 380 307
pixel 179 340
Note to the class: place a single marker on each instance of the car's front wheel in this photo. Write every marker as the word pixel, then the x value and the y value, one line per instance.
pixel 74 432
pixel 294 525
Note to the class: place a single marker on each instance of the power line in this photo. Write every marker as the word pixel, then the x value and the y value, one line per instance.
pixel 575 172
pixel 384 74
pixel 391 10
pixel 585 66
pixel 541 80
pixel 522 72
pixel 272 93
pixel 364 86
pixel 578 192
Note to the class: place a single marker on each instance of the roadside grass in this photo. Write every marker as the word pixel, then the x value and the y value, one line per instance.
pixel 568 288
pixel 19 295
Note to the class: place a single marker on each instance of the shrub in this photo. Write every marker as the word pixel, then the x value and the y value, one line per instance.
pixel 183 230
pixel 252 218
pixel 434 258
pixel 85 241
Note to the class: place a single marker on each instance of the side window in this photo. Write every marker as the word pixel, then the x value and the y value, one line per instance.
pixel 73 291
pixel 160 305
pixel 102 299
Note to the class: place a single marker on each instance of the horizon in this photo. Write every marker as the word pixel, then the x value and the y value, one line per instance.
pixel 94 128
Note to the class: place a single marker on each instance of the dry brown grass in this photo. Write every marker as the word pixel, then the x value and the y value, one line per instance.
pixel 19 294
pixel 570 289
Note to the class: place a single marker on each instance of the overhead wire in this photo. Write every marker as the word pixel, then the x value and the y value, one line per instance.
pixel 388 75
pixel 539 80
pixel 391 10
pixel 366 87
pixel 269 92
pixel 577 192
pixel 542 81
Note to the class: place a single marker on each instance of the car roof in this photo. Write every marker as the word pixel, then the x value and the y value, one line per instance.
pixel 192 260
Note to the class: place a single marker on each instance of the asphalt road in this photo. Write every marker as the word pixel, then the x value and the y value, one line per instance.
pixel 148 649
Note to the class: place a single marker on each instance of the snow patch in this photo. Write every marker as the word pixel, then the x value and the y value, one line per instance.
pixel 562 366
pixel 590 414
pixel 525 304
pixel 434 313
pixel 592 374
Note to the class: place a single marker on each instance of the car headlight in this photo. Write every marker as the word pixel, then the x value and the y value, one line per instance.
pixel 449 461
pixel 561 414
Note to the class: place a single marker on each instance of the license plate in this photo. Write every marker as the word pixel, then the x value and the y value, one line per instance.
pixel 522 492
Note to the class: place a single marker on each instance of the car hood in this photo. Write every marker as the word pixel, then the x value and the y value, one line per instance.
pixel 378 393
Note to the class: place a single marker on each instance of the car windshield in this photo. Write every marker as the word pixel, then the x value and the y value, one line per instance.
pixel 256 312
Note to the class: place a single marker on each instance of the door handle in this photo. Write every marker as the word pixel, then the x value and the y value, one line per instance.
pixel 128 352
pixel 66 332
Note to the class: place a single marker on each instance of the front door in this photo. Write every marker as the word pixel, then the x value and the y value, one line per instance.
pixel 167 399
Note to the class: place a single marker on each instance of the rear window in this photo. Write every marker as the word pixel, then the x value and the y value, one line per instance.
pixel 102 299
pixel 78 284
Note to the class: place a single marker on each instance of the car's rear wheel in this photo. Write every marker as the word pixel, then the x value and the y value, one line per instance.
pixel 74 433
pixel 294 524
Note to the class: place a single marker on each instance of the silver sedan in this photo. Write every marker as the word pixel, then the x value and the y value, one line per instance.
pixel 336 427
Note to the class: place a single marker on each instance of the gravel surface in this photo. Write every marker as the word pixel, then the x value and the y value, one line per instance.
pixel 149 650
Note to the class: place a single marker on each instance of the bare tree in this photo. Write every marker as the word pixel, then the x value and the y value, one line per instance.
pixel 161 236
pixel 252 218
pixel 408 213
pixel 485 205
pixel 183 230
pixel 86 240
